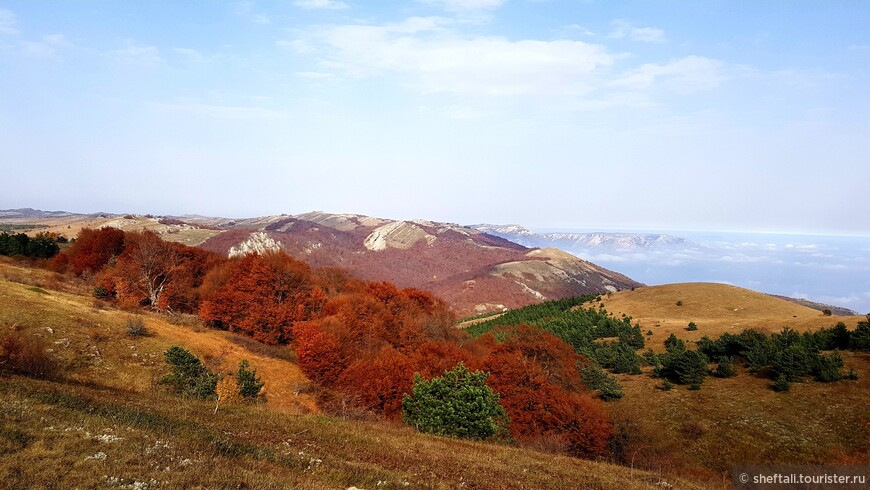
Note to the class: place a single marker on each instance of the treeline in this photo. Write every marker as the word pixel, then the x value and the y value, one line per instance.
pixel 592 332
pixel 785 357
pixel 42 246
pixel 361 342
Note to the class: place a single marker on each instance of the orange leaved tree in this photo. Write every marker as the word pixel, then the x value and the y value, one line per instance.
pixel 262 296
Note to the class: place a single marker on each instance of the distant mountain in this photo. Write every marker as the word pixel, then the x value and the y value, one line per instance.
pixel 584 241
pixel 835 310
pixel 474 271
pixel 22 214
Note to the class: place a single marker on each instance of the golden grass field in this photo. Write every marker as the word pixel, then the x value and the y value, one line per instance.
pixel 736 420
pixel 107 424
pixel 715 308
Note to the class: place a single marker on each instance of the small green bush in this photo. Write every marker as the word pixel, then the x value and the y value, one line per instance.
pixel 782 384
pixel 101 293
pixel 692 327
pixel 249 383
pixel 667 385
pixel 725 368
pixel 793 362
pixel 458 404
pixel 828 368
pixel 687 367
pixel 599 380
pixel 188 377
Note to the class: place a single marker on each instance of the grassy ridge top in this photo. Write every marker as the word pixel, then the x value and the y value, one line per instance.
pixel 715 308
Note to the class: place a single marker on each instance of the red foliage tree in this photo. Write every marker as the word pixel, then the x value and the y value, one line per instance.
pixel 262 296
pixel 92 250
pixel 159 274
pixel 379 384
pixel 432 358
pixel 541 409
pixel 320 353
pixel 557 359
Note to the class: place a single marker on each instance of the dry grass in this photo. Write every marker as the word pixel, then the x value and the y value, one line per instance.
pixel 62 431
pixel 715 308
pixel 741 420
pixel 95 344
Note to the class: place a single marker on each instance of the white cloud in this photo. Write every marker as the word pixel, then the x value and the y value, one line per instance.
pixel 8 22
pixel 467 5
pixel 577 28
pixel 689 74
pixel 137 54
pixel 45 47
pixel 247 9
pixel 321 4
pixel 436 59
pixel 191 55
pixel 624 29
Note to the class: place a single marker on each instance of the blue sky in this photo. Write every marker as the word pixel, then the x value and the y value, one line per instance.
pixel 557 114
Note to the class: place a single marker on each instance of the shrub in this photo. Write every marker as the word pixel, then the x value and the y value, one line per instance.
pixel 618 357
pixel 649 333
pixel 793 362
pixel 597 379
pixel 680 303
pixel 27 357
pixel 674 345
pixel 667 385
pixel 687 367
pixel 826 312
pixel 458 404
pixel 782 384
pixel 188 377
pixel 860 337
pixel 827 368
pixel 851 375
pixel 136 328
pixel 725 368
pixel 227 391
pixel 692 327
pixel 249 383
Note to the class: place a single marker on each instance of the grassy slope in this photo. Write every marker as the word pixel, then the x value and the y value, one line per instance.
pixel 742 421
pixel 715 308
pixel 51 431
pixel 738 420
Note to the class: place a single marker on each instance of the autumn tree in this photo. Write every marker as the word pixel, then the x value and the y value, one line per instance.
pixel 540 408
pixel 262 296
pixel 320 353
pixel 379 384
pixel 155 273
pixel 93 249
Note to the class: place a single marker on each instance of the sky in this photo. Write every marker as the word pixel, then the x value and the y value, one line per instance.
pixel 556 114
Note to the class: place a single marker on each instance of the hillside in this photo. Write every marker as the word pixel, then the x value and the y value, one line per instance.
pixel 108 424
pixel 715 308
pixel 474 271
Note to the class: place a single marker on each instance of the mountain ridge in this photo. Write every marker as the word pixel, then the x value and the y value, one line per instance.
pixel 474 271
